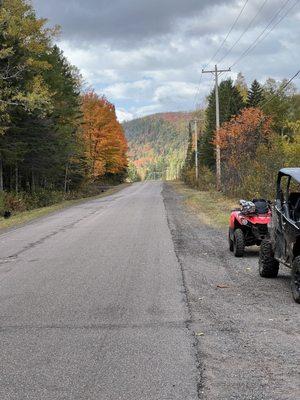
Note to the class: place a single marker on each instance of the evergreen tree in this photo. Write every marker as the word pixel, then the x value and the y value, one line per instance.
pixel 41 142
pixel 231 102
pixel 190 154
pixel 255 94
pixel 41 149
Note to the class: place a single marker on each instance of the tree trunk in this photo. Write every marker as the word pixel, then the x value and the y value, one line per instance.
pixel 32 181
pixel 17 177
pixel 66 178
pixel 11 178
pixel 1 176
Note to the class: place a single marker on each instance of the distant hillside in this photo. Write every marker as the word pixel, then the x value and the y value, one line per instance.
pixel 157 143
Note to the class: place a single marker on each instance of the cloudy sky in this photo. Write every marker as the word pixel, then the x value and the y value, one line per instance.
pixel 146 56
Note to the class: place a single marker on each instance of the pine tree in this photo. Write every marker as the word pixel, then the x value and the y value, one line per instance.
pixel 231 102
pixel 41 145
pixel 190 154
pixel 255 94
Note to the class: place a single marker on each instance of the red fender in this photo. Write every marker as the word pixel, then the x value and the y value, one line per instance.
pixel 254 219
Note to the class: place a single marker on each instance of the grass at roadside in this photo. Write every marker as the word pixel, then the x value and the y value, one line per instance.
pixel 27 216
pixel 213 208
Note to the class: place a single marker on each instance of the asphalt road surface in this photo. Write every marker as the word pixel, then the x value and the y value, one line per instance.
pixel 92 305
pixel 118 298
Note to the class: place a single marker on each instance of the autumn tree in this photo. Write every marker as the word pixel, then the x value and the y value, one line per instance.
pixel 105 143
pixel 23 38
pixel 39 107
pixel 239 139
pixel 231 102
pixel 133 175
pixel 43 156
pixel 241 85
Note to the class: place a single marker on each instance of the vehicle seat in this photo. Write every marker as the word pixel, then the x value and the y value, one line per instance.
pixel 261 206
pixel 294 206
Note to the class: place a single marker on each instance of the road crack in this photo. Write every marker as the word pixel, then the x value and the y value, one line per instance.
pixel 190 321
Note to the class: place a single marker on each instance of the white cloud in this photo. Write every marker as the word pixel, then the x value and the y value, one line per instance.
pixel 124 115
pixel 125 90
pixel 162 71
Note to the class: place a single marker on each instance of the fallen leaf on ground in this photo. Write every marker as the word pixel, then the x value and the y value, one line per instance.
pixel 222 286
pixel 199 334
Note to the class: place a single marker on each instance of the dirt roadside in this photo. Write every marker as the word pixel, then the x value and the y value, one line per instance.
pixel 248 330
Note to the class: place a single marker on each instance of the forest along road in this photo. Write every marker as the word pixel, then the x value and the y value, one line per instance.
pixel 118 298
pixel 92 305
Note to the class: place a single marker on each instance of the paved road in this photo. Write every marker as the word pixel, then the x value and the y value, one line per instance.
pixel 93 307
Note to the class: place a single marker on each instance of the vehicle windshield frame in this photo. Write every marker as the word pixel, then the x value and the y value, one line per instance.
pixel 293 174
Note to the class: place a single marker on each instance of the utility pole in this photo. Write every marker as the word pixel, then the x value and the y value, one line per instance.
pixel 196 148
pixel 216 73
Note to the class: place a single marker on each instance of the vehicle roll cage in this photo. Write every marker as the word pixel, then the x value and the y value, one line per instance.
pixel 291 173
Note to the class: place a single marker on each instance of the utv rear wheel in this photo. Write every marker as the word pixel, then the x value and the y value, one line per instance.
pixel 268 265
pixel 295 281
pixel 230 241
pixel 238 243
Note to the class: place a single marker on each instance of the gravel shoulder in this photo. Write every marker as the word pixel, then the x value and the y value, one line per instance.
pixel 247 330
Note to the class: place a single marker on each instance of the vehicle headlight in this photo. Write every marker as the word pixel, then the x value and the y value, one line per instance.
pixel 244 221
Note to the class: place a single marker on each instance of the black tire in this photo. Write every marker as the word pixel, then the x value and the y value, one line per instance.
pixel 295 281
pixel 268 265
pixel 230 241
pixel 238 243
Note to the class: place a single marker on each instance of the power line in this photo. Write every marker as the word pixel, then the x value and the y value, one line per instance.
pixel 219 48
pixel 260 37
pixel 229 32
pixel 244 31
pixel 241 36
pixel 272 24
pixel 202 103
pixel 281 89
pixel 198 87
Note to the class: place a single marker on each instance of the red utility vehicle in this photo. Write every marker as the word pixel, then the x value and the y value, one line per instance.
pixel 248 225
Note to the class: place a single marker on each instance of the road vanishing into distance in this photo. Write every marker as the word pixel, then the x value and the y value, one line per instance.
pixel 117 298
pixel 92 305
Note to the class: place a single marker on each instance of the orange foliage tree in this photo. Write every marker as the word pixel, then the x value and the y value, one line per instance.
pixel 105 143
pixel 243 134
pixel 239 140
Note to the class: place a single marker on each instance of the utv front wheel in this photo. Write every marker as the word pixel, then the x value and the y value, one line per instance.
pixel 230 241
pixel 295 282
pixel 238 243
pixel 268 265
